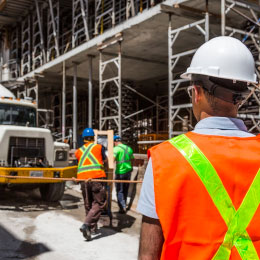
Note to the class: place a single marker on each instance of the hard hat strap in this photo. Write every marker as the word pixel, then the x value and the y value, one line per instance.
pixel 226 95
pixel 213 87
pixel 233 85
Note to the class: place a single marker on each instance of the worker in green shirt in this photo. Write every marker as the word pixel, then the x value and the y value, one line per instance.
pixel 123 156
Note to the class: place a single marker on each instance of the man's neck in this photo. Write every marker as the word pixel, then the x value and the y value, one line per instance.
pixel 204 115
pixel 89 142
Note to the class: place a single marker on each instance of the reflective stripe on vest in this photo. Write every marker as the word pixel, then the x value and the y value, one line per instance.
pixel 86 154
pixel 124 156
pixel 236 221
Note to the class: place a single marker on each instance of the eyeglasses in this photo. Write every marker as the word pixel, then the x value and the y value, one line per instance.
pixel 189 90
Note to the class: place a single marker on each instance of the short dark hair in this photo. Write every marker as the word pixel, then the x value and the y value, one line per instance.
pixel 224 89
pixel 89 138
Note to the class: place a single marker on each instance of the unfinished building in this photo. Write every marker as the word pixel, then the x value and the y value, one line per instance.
pixel 116 64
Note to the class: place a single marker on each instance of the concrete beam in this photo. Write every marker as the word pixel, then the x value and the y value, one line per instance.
pixel 136 58
pixel 7 19
pixel 142 17
pixel 193 13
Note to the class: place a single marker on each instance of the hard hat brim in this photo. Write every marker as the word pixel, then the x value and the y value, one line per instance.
pixel 188 75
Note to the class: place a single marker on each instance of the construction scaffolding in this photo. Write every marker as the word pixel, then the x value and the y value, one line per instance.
pixel 110 86
pixel 249 14
pixel 80 28
pixel 26 54
pixel 104 62
pixel 175 84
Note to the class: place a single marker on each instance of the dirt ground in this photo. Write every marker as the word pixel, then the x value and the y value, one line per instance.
pixel 33 229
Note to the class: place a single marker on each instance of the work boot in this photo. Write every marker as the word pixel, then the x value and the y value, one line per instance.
pixel 85 229
pixel 94 229
pixel 122 210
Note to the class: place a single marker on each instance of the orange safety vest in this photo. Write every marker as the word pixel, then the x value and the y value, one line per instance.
pixel 192 225
pixel 90 162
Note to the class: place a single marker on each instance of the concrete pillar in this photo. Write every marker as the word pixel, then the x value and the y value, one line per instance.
pixel 75 97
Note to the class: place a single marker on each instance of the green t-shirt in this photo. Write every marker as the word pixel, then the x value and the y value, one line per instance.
pixel 123 155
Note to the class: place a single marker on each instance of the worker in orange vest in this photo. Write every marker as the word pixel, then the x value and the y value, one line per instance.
pixel 201 191
pixel 91 159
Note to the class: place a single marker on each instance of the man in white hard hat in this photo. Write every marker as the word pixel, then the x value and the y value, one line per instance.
pixel 200 197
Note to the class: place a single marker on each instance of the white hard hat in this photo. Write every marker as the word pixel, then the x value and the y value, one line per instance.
pixel 223 57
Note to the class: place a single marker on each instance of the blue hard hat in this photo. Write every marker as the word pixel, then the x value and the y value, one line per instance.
pixel 88 132
pixel 117 138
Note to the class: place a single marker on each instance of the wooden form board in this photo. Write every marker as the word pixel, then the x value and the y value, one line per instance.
pixel 110 144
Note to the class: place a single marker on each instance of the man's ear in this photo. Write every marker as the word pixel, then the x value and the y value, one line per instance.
pixel 197 92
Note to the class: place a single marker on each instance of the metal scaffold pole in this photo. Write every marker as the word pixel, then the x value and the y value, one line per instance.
pixel 53 26
pixel 37 92
pixel 104 12
pixel 26 45
pixel 223 18
pixel 75 106
pixel 175 84
pixel 170 73
pixel 38 44
pixel 207 21
pixel 53 21
pixel 100 89
pixel 249 14
pixel 63 100
pixel 120 88
pixel 36 89
pixel 110 89
pixel 90 94
pixel 80 27
pixel 130 8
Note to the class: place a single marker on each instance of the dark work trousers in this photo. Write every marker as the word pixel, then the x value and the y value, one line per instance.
pixel 94 195
pixel 122 189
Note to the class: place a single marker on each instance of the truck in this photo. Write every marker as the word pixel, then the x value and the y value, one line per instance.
pixel 30 151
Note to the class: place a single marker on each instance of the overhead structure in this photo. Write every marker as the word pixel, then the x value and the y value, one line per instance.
pixel 110 90
pixel 249 15
pixel 104 15
pixel 175 83
pixel 80 28
pixel 123 61
pixel 14 65
pixel 26 45
pixel 38 45
pixel 53 25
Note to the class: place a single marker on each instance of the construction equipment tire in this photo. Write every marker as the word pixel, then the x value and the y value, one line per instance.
pixel 52 192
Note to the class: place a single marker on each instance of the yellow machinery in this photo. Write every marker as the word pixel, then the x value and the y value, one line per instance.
pixel 66 172
pixel 29 150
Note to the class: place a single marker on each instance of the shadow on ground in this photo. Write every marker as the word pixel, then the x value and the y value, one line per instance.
pixel 119 222
pixel 30 201
pixel 13 248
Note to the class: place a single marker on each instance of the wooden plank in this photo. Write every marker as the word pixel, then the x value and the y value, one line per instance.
pixel 110 144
